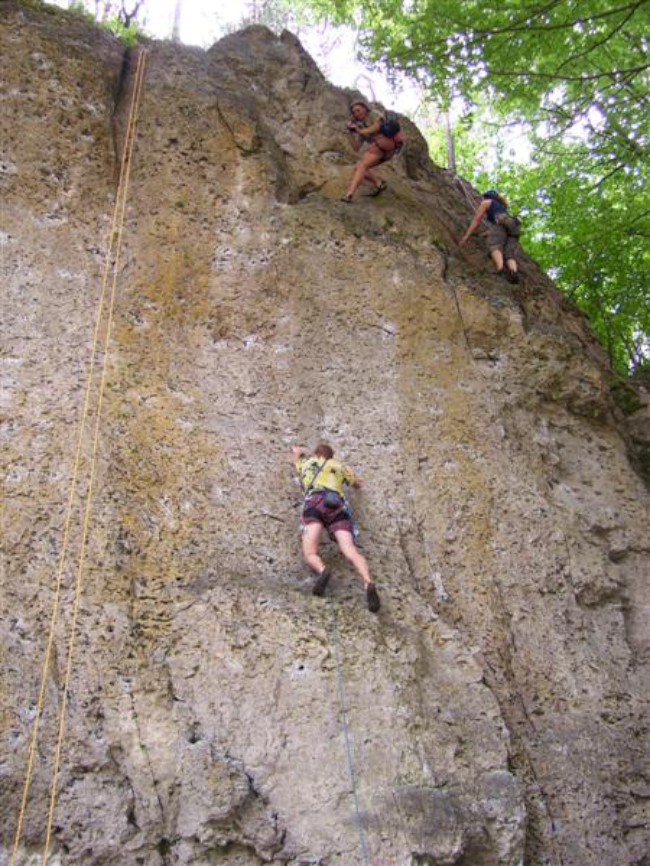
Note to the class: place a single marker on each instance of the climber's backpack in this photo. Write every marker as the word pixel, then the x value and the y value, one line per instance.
pixel 390 125
pixel 511 224
pixel 332 499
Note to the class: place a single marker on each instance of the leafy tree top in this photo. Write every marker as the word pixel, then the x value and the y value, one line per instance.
pixel 564 61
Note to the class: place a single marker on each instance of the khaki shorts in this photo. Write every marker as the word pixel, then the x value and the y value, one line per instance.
pixel 499 239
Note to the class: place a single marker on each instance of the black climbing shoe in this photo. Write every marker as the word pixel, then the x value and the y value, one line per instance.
pixel 372 597
pixel 512 276
pixel 379 189
pixel 321 582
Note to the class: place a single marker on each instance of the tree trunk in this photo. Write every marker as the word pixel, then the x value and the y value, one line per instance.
pixel 451 150
pixel 176 26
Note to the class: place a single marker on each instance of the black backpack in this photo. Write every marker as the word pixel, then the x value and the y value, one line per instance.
pixel 511 224
pixel 390 125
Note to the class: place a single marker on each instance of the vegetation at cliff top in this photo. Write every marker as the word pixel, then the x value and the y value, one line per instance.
pixel 574 76
pixel 575 73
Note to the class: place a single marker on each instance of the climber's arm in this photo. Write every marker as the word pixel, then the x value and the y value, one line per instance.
pixel 476 220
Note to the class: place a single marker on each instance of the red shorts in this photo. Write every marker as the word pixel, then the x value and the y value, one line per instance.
pixel 333 519
pixel 383 147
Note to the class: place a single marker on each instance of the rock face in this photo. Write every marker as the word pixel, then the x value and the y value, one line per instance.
pixel 209 709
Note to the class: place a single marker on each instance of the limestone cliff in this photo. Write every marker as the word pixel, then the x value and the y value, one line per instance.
pixel 218 713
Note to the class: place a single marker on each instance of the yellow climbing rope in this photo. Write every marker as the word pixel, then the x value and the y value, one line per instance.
pixel 112 253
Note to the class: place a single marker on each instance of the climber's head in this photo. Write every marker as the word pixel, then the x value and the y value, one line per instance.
pixel 359 110
pixel 323 450
pixel 494 195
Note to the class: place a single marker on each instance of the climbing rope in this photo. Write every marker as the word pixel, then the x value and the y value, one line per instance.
pixel 336 642
pixel 113 250
pixel 471 196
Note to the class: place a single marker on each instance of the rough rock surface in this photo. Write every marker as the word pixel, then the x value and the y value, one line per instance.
pixel 217 713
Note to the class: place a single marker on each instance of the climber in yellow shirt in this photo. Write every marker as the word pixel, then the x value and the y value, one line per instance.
pixel 322 477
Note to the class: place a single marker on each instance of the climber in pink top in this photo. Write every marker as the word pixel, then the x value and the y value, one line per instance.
pixel 380 139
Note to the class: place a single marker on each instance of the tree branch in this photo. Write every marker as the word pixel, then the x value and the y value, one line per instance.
pixel 551 76
pixel 600 42
pixel 526 26
pixel 599 184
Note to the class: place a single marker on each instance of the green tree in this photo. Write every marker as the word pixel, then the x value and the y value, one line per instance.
pixel 109 10
pixel 274 14
pixel 594 242
pixel 583 236
pixel 576 72
pixel 566 62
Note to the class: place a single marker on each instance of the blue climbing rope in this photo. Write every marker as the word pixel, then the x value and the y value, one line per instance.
pixel 336 642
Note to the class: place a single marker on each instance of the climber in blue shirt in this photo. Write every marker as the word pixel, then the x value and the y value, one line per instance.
pixel 502 234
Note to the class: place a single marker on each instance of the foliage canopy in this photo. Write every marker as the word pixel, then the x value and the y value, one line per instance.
pixel 563 61
pixel 576 72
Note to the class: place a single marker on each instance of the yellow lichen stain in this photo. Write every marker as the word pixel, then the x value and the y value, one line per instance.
pixel 158 457
pixel 434 366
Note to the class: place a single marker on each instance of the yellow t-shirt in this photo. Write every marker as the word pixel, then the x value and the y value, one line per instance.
pixel 332 477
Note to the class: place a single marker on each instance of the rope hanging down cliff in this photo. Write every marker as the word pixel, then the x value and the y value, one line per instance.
pixel 334 636
pixel 336 641
pixel 112 252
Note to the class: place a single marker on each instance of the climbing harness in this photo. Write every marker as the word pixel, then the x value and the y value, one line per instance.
pixel 341 501
pixel 113 252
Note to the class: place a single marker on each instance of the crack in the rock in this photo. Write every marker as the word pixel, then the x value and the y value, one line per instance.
pixel 145 752
pixel 119 95
pixel 511 705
